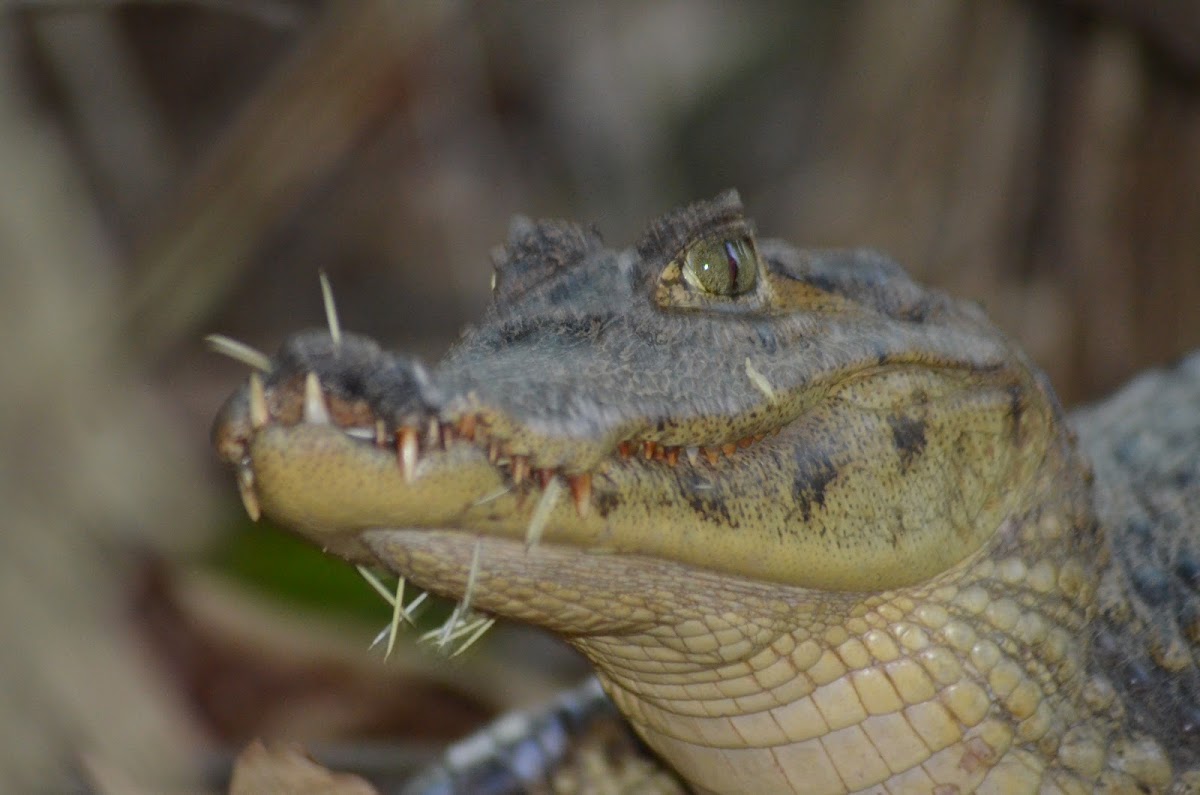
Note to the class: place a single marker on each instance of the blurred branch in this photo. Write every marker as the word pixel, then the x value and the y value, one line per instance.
pixel 274 13
pixel 1171 27
pixel 351 73
pixel 127 151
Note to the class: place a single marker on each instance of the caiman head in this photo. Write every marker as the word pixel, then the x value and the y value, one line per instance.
pixel 695 459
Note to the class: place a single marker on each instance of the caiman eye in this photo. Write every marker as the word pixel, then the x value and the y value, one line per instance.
pixel 721 266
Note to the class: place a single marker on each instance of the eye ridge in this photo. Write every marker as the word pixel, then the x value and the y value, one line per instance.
pixel 725 266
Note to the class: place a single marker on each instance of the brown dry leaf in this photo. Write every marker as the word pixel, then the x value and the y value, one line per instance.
pixel 286 769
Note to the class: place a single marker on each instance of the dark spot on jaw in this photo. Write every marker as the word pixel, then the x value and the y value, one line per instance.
pixel 707 501
pixel 908 435
pixel 814 472
pixel 711 506
pixel 606 502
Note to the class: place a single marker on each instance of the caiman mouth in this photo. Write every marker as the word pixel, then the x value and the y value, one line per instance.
pixel 386 405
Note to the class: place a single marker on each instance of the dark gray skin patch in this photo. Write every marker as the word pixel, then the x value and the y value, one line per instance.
pixel 1142 444
pixel 710 506
pixel 908 435
pixel 813 476
pixel 606 502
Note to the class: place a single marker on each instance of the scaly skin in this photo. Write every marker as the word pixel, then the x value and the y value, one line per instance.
pixel 820 530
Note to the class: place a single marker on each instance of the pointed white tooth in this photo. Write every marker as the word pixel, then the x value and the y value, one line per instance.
pixel 433 434
pixel 259 414
pixel 315 410
pixel 245 483
pixel 541 514
pixel 693 454
pixel 407 443
pixel 581 493
pixel 380 433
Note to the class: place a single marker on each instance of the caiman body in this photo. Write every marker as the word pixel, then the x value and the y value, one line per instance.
pixel 818 529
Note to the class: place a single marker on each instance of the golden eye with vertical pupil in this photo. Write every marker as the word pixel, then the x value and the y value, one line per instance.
pixel 721 266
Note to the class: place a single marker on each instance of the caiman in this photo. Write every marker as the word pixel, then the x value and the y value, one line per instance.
pixel 818 529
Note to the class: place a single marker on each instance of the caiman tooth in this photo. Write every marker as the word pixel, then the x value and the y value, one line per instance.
pixel 259 414
pixel 315 410
pixel 648 449
pixel 625 449
pixel 433 434
pixel 729 448
pixel 693 454
pixel 544 476
pixel 493 451
pixel 245 483
pixel 671 456
pixel 581 493
pixel 520 469
pixel 466 427
pixel 406 451
pixel 381 433
pixel 712 454
pixel 745 441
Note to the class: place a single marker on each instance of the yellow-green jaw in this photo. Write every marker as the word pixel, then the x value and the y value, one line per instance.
pixel 909 493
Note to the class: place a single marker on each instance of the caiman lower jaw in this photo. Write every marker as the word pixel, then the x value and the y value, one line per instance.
pixel 331 468
pixel 584 594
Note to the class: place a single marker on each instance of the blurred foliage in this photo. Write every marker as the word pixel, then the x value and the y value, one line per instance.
pixel 267 559
pixel 263 558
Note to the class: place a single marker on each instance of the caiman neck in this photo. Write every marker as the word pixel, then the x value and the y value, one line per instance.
pixel 979 674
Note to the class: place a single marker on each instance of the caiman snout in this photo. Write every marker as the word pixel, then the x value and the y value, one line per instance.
pixel 349 381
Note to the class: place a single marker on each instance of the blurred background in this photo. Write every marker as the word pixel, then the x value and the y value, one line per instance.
pixel 171 169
